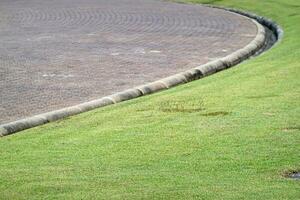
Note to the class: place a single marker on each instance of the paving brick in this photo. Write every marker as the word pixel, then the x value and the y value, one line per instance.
pixel 61 53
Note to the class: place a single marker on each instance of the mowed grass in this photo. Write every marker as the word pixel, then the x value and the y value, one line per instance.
pixel 233 135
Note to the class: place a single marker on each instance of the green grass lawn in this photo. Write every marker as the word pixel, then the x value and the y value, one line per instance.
pixel 233 135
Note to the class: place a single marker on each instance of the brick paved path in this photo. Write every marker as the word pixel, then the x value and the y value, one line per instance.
pixel 57 53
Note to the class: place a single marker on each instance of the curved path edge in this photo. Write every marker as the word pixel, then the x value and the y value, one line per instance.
pixel 193 74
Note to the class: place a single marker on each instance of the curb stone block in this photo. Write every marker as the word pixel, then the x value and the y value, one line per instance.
pixel 128 94
pixel 174 80
pixel 152 87
pixel 211 67
pixel 95 104
pixel 192 74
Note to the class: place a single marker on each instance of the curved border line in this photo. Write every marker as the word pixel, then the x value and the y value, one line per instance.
pixel 193 74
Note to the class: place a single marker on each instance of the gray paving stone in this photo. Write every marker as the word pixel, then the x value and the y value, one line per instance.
pixel 61 53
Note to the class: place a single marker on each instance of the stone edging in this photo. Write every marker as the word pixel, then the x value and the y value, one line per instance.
pixel 199 72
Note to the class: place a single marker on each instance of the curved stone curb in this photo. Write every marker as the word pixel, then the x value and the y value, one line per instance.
pixel 199 72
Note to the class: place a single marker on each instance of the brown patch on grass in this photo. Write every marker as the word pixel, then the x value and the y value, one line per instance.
pixel 219 113
pixel 181 106
pixel 261 96
pixel 291 128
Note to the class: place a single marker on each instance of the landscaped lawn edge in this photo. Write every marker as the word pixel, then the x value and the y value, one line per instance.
pixel 199 72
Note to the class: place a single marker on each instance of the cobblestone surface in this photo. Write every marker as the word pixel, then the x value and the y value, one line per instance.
pixel 57 53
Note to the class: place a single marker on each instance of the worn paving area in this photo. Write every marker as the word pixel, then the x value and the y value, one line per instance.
pixel 58 53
